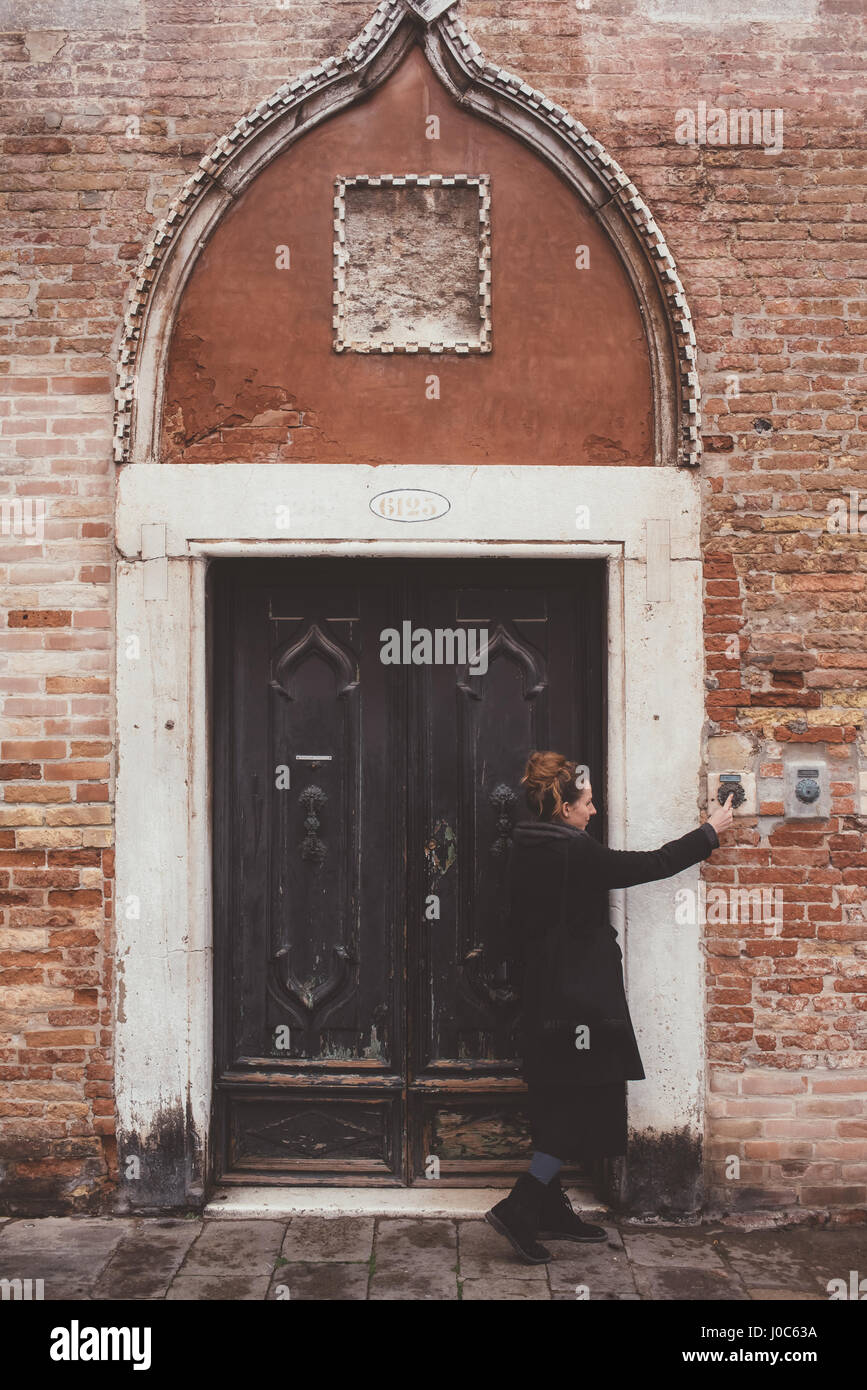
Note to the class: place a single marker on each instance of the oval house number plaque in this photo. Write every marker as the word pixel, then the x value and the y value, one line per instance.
pixel 407 504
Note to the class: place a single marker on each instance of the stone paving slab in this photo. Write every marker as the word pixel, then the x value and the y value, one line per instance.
pixel 67 1253
pixel 318 1238
pixel 831 1254
pixel 416 1247
pixel 57 1285
pixel 328 1281
pixel 688 1284
pixel 601 1297
pixel 233 1288
pixel 658 1249
pixel 766 1259
pixel 56 1234
pixel 249 1246
pixel 785 1296
pixel 486 1255
pixel 599 1268
pixel 419 1285
pixel 145 1263
pixel 497 1288
pixel 361 1258
pixel 60 1274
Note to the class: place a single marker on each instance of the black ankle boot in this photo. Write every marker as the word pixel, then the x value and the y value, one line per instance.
pixel 557 1220
pixel 517 1218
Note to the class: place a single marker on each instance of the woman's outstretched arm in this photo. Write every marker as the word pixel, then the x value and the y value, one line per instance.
pixel 618 868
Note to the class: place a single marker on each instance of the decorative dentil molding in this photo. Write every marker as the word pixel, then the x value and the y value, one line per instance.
pixel 480 343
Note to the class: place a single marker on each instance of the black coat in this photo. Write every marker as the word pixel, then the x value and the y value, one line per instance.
pixel 570 961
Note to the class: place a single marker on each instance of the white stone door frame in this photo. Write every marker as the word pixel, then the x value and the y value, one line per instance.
pixel 644 522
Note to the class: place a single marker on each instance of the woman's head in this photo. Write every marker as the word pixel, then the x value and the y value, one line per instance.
pixel 558 789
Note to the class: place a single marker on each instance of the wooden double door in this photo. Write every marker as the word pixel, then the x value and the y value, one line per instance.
pixel 367 766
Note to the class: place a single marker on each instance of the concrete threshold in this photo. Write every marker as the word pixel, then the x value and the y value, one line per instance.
pixel 244 1203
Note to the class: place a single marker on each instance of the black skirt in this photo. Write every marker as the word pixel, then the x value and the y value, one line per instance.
pixel 578 1122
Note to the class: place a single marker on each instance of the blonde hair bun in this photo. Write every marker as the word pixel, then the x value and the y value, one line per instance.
pixel 550 781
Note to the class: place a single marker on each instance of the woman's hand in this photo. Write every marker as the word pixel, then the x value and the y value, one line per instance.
pixel 721 818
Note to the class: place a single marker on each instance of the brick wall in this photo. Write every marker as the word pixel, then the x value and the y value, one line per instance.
pixel 101 122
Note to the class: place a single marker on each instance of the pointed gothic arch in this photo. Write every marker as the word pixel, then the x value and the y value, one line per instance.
pixel 172 521
pixel 478 86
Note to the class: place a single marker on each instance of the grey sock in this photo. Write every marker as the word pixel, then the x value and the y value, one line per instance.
pixel 545 1166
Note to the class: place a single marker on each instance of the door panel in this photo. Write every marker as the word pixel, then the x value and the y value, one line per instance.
pixel 367 1022
pixel 309 875
pixel 542 689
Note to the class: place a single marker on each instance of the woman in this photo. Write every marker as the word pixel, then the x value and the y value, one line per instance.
pixel 579 1046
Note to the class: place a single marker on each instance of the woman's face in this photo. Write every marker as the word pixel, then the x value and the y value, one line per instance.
pixel 577 813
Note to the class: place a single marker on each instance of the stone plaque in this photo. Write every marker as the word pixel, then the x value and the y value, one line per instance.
pixel 412 263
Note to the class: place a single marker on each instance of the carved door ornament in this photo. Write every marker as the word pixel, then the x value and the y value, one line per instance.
pixel 516 649
pixel 313 799
pixel 307 1000
pixel 340 659
pixel 503 800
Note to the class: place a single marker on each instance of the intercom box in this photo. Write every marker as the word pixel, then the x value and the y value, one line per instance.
pixel 743 784
pixel 806 789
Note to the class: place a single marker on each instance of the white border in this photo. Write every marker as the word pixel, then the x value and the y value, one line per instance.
pixel 163 1003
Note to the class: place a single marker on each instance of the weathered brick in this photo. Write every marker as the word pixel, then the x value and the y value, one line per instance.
pixel 766 251
pixel 46 617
